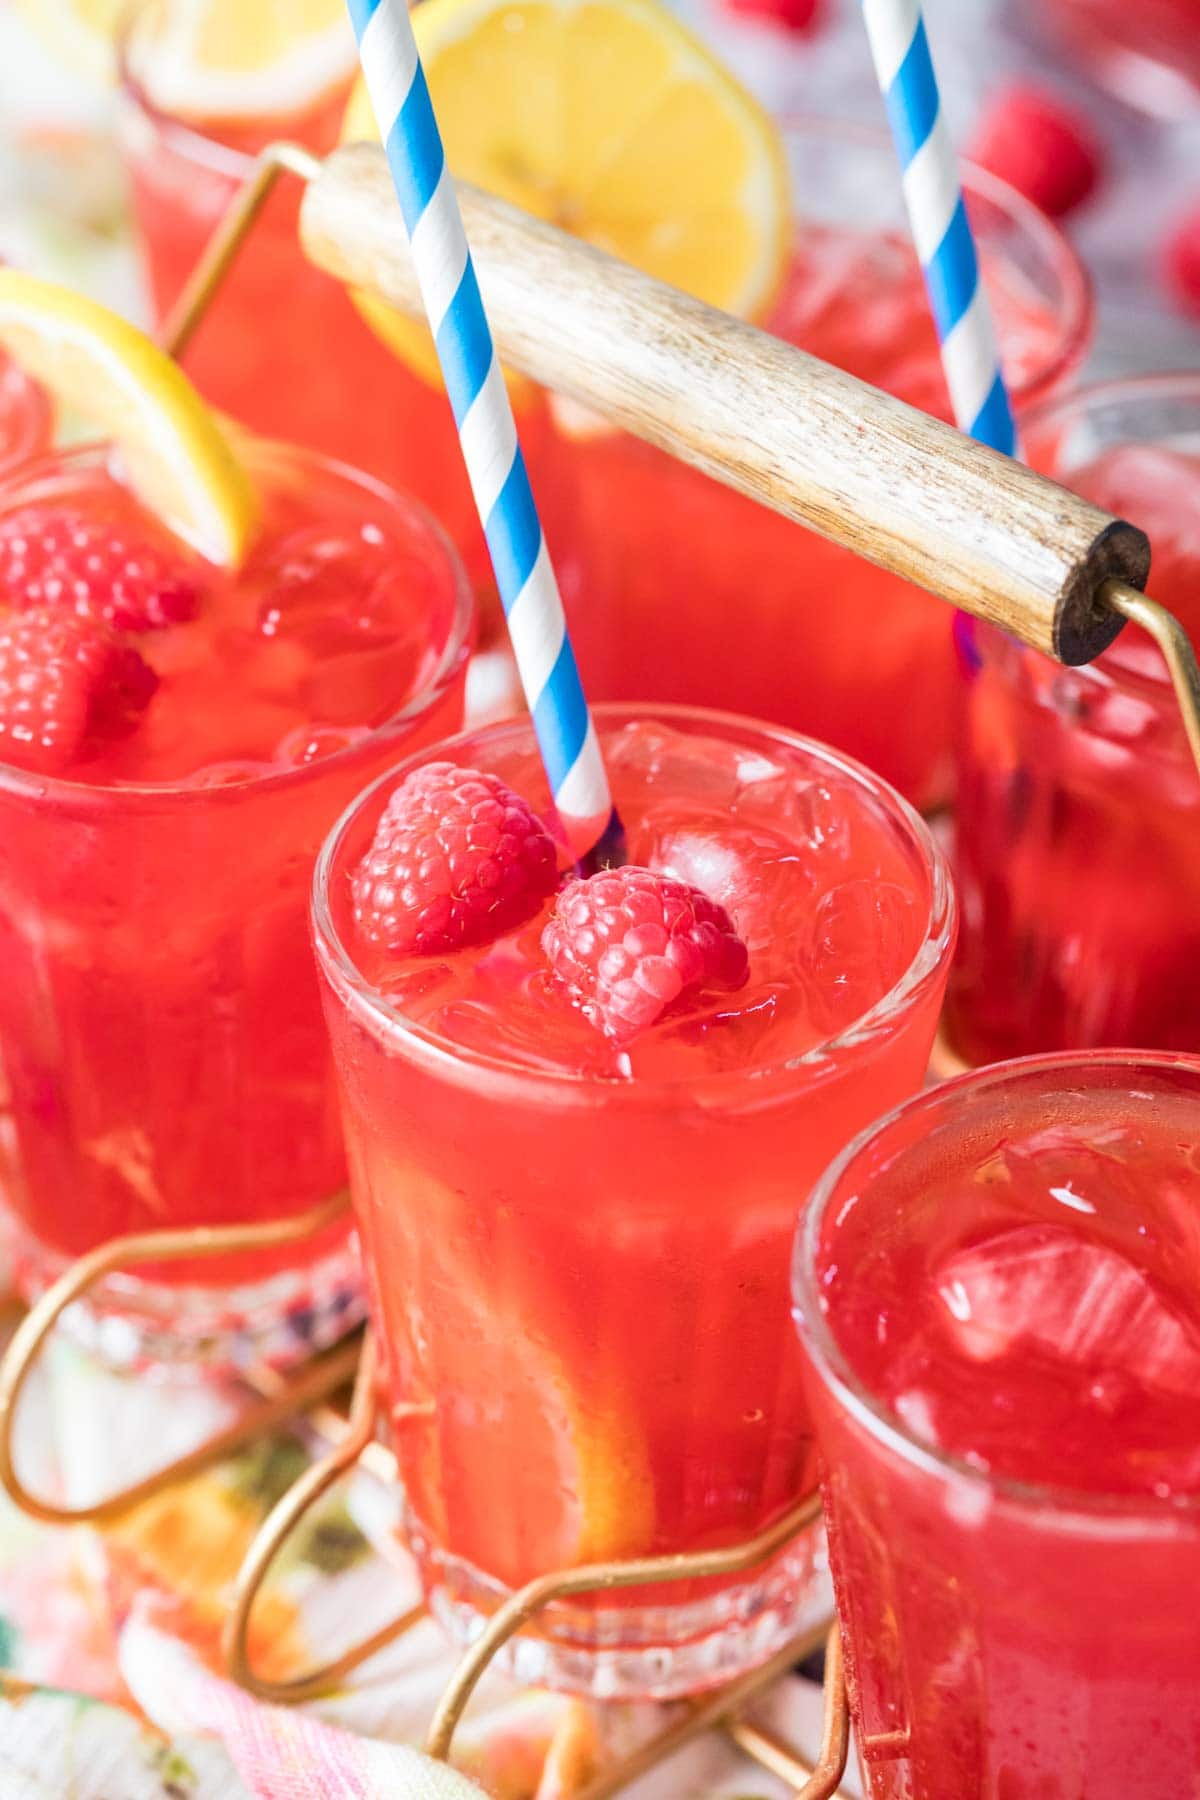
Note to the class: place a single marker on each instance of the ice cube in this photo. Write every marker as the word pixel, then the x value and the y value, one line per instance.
pixel 863 937
pixel 1043 1290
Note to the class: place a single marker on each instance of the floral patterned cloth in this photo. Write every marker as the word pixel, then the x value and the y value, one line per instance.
pixel 111 1636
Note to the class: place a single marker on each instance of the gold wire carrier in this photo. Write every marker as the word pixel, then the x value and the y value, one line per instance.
pixel 355 1439
pixel 280 1397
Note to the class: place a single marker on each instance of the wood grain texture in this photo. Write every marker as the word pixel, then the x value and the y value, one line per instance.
pixel 898 487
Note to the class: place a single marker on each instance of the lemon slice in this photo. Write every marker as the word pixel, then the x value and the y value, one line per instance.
pixel 96 364
pixel 241 59
pixel 210 59
pixel 609 118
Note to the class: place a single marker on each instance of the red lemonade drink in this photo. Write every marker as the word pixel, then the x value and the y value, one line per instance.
pixel 764 616
pixel 175 741
pixel 998 1299
pixel 575 1115
pixel 1078 854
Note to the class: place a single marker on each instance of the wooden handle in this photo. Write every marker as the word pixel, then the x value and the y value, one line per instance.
pixel 817 445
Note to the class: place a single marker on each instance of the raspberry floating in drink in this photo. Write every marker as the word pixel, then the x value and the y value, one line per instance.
pixel 628 944
pixel 68 686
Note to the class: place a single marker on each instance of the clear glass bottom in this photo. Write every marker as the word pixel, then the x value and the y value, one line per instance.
pixel 138 1326
pixel 660 1651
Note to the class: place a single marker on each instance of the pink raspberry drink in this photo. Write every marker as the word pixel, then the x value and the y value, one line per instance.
pixel 574 1109
pixel 175 739
pixel 996 1291
pixel 1079 800
pixel 765 617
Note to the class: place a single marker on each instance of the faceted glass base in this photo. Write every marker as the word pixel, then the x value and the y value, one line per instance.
pixel 624 1651
pixel 139 1326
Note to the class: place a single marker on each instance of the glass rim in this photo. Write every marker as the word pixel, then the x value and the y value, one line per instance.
pixel 870 1413
pixel 15 780
pixel 1074 318
pixel 191 137
pixel 818 1062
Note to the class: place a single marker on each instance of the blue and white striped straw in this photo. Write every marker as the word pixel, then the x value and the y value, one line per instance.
pixel 937 216
pixel 487 433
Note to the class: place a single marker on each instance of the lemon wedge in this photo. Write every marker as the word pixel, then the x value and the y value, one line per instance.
pixel 231 60
pixel 610 119
pixel 175 454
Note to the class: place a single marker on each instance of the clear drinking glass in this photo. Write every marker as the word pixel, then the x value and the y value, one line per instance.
pixel 995 1289
pixel 162 1056
pixel 1079 802
pixel 578 1270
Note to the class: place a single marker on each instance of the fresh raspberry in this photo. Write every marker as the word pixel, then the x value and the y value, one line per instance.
pixel 803 17
pixel 1181 262
pixel 91 566
pixel 1040 146
pixel 628 943
pixel 457 858
pixel 67 685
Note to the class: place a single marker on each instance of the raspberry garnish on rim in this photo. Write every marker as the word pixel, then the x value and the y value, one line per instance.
pixel 457 858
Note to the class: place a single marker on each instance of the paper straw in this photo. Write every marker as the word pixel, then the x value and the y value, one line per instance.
pixel 487 433
pixel 941 231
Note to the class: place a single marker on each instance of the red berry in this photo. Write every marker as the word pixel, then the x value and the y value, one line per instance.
pixel 457 858
pixel 67 686
pixel 1181 262
pixel 1040 146
pixel 91 566
pixel 799 16
pixel 628 943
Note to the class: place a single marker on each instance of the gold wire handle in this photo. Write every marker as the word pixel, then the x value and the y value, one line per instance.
pixel 355 1441
pixel 1176 648
pixel 599 1577
pixel 289 1394
pixel 220 251
pixel 274 1532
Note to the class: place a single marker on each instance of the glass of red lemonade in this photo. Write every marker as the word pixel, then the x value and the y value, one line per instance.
pixel 264 352
pixel 162 1057
pixel 1078 827
pixel 763 616
pixel 576 1212
pixel 997 1295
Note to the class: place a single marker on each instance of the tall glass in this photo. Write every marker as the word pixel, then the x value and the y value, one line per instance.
pixel 763 616
pixel 162 1056
pixel 282 348
pixel 578 1271
pixel 996 1294
pixel 1078 835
